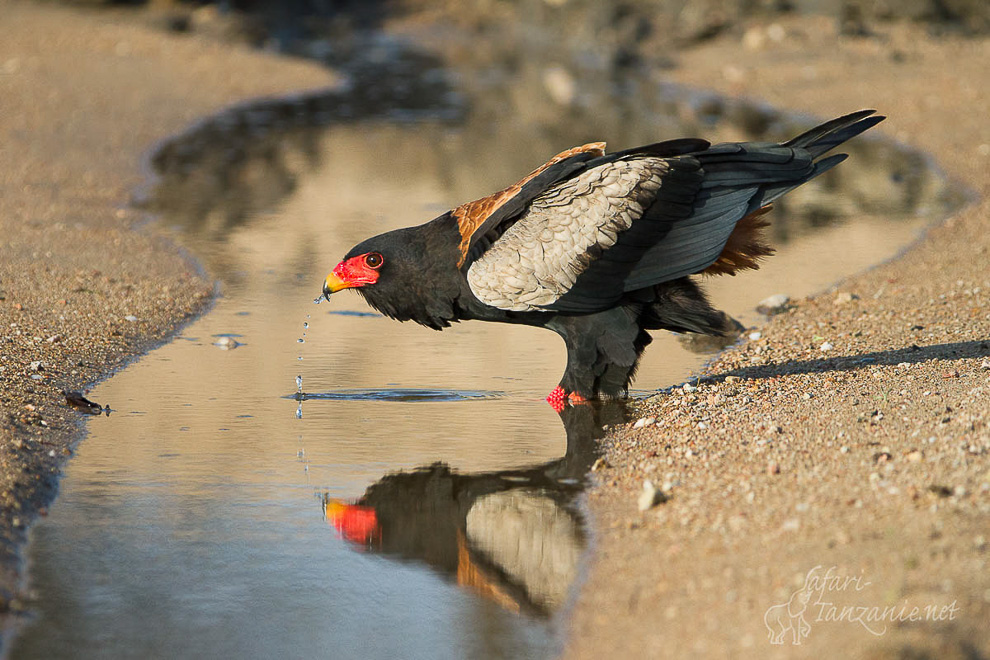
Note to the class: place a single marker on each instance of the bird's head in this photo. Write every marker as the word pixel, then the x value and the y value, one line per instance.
pixel 406 274
pixel 354 271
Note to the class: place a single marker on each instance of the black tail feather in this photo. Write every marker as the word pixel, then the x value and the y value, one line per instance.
pixel 824 137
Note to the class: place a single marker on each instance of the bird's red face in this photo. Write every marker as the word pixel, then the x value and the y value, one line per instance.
pixel 354 272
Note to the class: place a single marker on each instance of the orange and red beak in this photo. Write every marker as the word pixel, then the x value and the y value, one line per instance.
pixel 353 272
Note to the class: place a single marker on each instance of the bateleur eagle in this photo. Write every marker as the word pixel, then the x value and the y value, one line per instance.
pixel 600 248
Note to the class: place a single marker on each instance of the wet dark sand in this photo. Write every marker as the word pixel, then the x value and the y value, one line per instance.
pixel 761 488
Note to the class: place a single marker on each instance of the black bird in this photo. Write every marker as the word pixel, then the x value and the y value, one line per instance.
pixel 600 248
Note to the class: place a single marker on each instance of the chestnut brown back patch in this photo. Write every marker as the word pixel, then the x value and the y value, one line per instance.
pixel 472 215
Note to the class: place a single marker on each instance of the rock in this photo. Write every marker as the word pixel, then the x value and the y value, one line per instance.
pixel 825 347
pixel 844 298
pixel 650 496
pixel 560 85
pixel 643 422
pixel 226 343
pixel 775 304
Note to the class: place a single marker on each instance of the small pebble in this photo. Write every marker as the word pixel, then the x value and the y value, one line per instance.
pixel 131 318
pixel 226 343
pixel 844 298
pixel 644 421
pixel 774 304
pixel 650 496
pixel 826 346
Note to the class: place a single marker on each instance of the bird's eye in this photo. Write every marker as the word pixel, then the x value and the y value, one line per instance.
pixel 373 260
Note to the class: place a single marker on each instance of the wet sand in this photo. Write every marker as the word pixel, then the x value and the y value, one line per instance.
pixel 83 98
pixel 870 456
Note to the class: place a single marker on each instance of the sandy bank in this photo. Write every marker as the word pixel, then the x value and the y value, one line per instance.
pixel 868 454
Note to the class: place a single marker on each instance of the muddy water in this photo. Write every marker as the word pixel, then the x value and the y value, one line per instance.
pixel 420 499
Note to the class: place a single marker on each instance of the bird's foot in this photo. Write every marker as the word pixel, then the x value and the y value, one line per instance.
pixel 559 398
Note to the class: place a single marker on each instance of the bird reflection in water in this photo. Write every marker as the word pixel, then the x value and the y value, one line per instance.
pixel 514 536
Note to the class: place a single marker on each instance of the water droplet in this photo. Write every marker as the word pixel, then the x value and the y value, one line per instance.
pixel 301 340
pixel 318 299
pixel 299 383
pixel 299 411
pixel 306 325
pixel 299 358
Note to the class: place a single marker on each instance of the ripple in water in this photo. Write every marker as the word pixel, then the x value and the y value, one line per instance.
pixel 412 395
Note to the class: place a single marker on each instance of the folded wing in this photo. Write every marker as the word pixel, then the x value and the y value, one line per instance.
pixel 617 223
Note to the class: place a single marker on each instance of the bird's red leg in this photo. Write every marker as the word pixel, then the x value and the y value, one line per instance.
pixel 560 397
pixel 574 397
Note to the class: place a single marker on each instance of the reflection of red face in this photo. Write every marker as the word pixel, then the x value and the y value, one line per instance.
pixel 357 524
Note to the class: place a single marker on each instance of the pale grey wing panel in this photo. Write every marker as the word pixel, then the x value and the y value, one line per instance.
pixel 540 257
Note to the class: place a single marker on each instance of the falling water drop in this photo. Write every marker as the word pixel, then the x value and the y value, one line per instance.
pixel 299 384
pixel 299 411
pixel 306 325
pixel 301 340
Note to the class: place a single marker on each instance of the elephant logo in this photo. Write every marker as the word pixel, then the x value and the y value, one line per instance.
pixel 789 616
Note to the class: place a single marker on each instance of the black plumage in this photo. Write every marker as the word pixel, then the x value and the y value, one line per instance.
pixel 600 248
